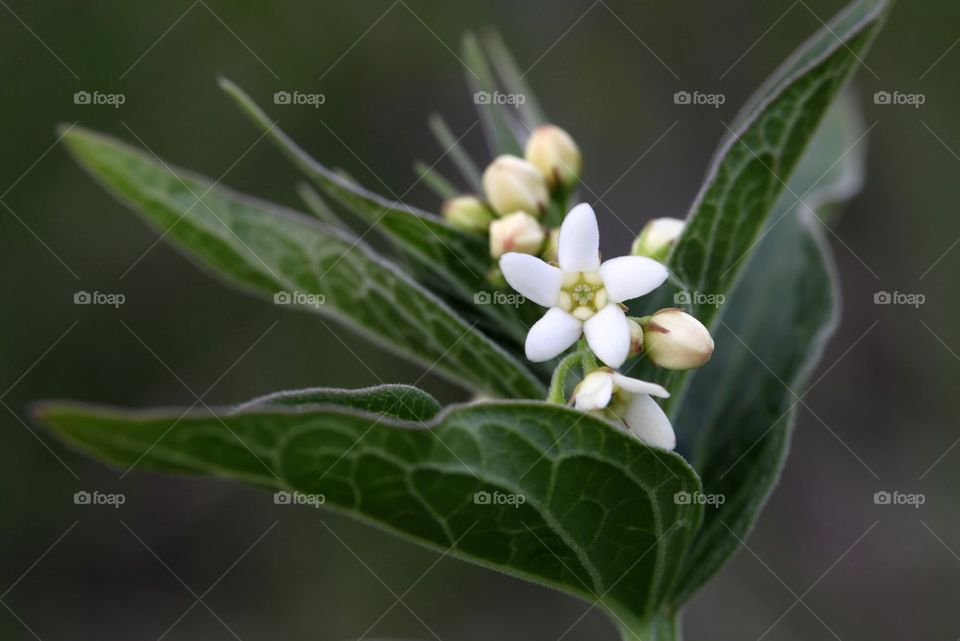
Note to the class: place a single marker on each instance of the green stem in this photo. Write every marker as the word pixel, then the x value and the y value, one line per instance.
pixel 558 384
pixel 665 627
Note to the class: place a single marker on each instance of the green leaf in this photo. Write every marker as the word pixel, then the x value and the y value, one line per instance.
pixel 457 259
pixel 436 181
pixel 761 153
pixel 268 249
pixel 504 132
pixel 514 81
pixel 597 517
pixel 769 338
pixel 451 146
pixel 319 207
pixel 445 258
pixel 748 175
pixel 404 402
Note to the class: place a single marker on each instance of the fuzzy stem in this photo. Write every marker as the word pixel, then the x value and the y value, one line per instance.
pixel 558 383
pixel 665 627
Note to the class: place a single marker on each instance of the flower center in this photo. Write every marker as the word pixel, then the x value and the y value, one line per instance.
pixel 583 294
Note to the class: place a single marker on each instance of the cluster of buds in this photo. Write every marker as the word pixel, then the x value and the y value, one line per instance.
pixel 518 192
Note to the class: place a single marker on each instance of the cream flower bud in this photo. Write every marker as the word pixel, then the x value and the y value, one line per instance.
pixel 657 237
pixel 512 184
pixel 555 154
pixel 674 339
pixel 519 232
pixel 468 213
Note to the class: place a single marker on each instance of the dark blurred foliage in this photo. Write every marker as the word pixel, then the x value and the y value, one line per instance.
pixel 824 561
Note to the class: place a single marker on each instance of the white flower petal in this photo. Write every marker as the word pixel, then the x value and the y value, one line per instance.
pixel 579 243
pixel 608 335
pixel 636 386
pixel 552 334
pixel 595 391
pixel 649 423
pixel 532 277
pixel 628 277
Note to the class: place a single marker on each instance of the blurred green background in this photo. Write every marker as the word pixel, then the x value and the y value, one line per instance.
pixel 824 562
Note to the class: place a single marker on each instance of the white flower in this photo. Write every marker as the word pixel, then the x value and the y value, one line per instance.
pixel 519 232
pixel 674 339
pixel 512 184
pixel 657 237
pixel 583 295
pixel 628 400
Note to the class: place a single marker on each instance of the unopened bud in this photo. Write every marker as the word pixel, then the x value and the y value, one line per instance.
pixel 657 237
pixel 518 232
pixel 674 339
pixel 512 184
pixel 553 152
pixel 636 337
pixel 468 213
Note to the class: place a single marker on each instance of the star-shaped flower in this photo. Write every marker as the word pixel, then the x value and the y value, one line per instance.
pixel 583 295
pixel 629 401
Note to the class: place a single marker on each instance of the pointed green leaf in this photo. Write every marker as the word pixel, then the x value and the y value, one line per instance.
pixel 514 81
pixel 454 259
pixel 750 172
pixel 436 181
pixel 451 146
pixel 501 124
pixel 769 338
pixel 404 402
pixel 269 250
pixel 538 491
pixel 761 153
pixel 319 207
pixel 447 259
